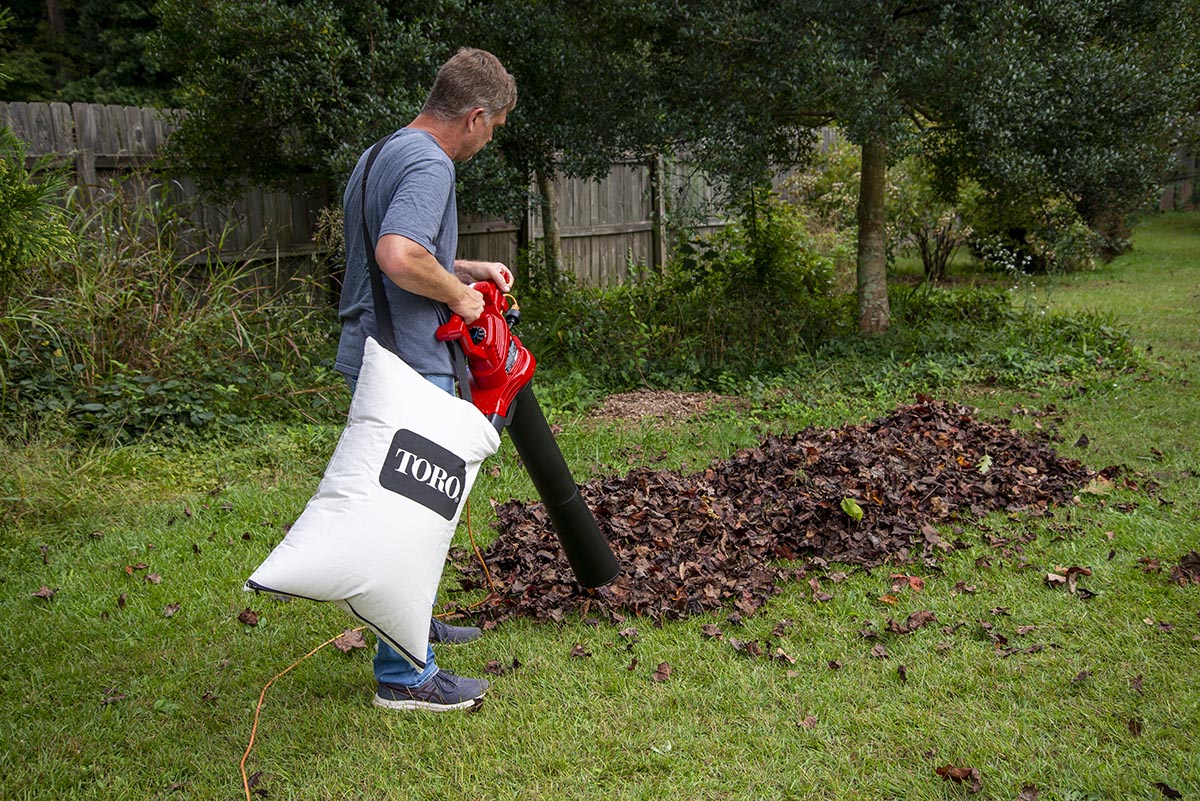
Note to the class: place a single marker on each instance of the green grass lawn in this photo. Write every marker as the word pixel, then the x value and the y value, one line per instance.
pixel 110 691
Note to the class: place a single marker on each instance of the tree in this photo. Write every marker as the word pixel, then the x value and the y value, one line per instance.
pixel 83 51
pixel 287 92
pixel 1074 98
pixel 536 43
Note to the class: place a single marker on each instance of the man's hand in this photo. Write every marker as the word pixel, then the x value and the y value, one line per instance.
pixel 469 306
pixel 494 271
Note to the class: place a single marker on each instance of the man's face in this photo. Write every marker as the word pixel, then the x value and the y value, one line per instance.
pixel 480 130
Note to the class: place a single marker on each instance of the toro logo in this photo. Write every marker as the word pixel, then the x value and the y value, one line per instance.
pixel 425 472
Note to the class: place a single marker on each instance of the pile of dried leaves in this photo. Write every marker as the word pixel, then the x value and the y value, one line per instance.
pixel 863 494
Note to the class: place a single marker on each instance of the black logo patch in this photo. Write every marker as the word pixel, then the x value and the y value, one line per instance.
pixel 425 472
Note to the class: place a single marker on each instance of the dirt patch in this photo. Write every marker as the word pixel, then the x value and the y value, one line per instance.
pixel 655 403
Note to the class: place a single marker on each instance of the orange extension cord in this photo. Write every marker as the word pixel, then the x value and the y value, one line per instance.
pixel 263 695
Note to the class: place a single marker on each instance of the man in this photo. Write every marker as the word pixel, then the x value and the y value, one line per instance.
pixel 412 223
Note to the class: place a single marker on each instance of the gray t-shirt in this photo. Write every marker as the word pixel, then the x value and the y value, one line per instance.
pixel 410 191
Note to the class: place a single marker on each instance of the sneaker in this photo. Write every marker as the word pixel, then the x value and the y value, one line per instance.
pixel 453 635
pixel 441 692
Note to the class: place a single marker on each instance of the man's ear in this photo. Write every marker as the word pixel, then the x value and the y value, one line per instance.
pixel 476 117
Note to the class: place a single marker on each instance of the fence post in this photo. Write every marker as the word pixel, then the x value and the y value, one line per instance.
pixel 658 213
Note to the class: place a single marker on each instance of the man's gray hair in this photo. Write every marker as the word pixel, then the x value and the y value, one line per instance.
pixel 471 79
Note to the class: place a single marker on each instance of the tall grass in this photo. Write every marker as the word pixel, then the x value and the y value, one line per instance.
pixel 143 328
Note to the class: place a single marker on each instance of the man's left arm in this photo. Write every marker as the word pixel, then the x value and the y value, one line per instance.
pixel 471 271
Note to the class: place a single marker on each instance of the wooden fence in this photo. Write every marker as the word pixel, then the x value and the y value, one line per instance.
pixel 1182 189
pixel 106 144
pixel 604 225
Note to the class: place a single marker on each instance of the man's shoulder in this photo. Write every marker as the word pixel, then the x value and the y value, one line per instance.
pixel 411 146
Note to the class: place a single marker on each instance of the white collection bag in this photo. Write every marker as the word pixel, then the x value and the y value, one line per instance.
pixel 374 537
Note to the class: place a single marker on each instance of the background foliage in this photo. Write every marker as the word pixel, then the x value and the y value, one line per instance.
pixel 120 335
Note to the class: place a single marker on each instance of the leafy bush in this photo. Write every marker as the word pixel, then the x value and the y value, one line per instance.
pixel 1029 235
pixel 741 302
pixel 827 197
pixel 126 337
pixel 919 215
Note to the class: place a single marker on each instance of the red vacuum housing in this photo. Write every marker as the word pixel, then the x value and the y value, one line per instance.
pixel 499 364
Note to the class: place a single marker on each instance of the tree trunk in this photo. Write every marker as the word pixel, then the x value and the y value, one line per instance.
pixel 874 315
pixel 520 267
pixel 551 238
pixel 54 16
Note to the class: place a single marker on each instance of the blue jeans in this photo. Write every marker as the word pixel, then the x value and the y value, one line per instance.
pixel 390 666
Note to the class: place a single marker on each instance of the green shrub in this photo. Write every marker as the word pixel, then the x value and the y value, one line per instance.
pixel 1028 234
pixel 919 216
pixel 136 333
pixel 943 338
pixel 741 302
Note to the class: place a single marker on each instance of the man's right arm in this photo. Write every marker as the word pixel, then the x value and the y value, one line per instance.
pixel 413 268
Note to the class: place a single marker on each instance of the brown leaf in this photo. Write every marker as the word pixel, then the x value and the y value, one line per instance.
pixel 348 640
pixel 629 633
pixel 1188 570
pixel 835 664
pixel 579 652
pixel 1029 793
pixel 900 580
pixel 1167 790
pixel 783 657
pixel 112 696
pixel 1081 676
pixel 662 672
pixel 879 652
pixel 915 621
pixel 902 672
pixel 153 578
pixel 121 601
pixel 961 775
pixel 45 592
pixel 170 609
pixel 711 631
pixel 807 722
pixel 248 617
pixel 496 668
pixel 633 663
pixel 1067 577
pixel 1135 727
pixel 253 780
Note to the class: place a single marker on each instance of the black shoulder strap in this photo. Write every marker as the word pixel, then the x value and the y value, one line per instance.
pixel 384 332
pixel 383 311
